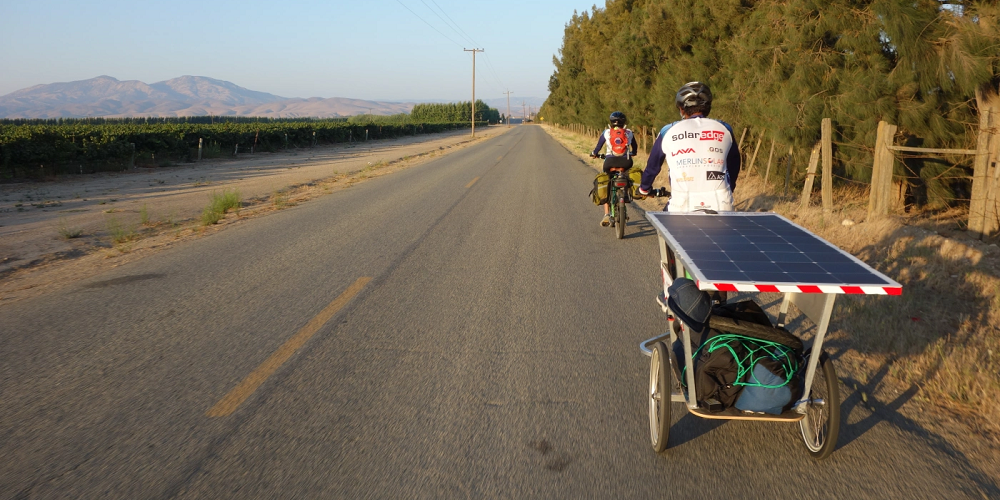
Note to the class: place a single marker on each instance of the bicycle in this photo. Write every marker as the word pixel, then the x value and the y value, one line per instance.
pixel 619 193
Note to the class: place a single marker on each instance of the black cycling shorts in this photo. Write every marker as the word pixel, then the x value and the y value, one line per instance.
pixel 617 162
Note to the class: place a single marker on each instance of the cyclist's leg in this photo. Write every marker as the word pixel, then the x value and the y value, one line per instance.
pixel 608 164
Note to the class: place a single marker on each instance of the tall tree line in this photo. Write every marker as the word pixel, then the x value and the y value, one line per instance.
pixel 454 112
pixel 780 66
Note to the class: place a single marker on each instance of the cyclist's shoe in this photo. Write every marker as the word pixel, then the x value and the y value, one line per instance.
pixel 606 221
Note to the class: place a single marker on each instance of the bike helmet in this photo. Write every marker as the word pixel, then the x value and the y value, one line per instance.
pixel 696 96
pixel 618 119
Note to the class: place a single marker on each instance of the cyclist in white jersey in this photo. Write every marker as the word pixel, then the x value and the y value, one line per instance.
pixel 620 150
pixel 701 156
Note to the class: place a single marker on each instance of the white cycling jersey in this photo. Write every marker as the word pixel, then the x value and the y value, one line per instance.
pixel 696 151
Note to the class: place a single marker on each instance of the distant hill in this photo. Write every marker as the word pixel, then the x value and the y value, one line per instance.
pixel 183 96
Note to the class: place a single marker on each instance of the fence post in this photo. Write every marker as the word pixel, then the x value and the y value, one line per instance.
pixel 769 156
pixel 199 148
pixel 992 222
pixel 754 157
pixel 881 186
pixel 992 209
pixel 874 206
pixel 788 171
pixel 744 134
pixel 810 175
pixel 977 207
pixel 827 129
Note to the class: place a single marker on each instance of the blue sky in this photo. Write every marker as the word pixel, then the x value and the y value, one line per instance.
pixel 366 49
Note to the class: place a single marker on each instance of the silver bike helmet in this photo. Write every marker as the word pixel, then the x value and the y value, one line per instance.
pixel 694 95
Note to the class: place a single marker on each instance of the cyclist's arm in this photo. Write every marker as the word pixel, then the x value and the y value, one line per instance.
pixel 634 146
pixel 733 165
pixel 653 164
pixel 600 144
pixel 734 161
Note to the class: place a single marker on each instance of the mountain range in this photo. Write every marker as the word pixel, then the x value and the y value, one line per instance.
pixel 106 96
pixel 185 96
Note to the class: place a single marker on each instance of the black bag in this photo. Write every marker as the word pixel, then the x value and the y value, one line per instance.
pixel 750 339
pixel 715 377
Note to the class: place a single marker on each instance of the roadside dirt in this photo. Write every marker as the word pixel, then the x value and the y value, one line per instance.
pixel 58 231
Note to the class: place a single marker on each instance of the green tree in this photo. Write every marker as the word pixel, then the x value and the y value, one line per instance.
pixel 779 67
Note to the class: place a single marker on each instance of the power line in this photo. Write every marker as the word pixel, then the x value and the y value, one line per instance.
pixel 497 77
pixel 446 23
pixel 453 22
pixel 427 23
pixel 457 29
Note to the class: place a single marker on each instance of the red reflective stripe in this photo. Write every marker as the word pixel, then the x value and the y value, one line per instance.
pixel 852 289
pixel 810 289
pixel 767 288
pixel 725 287
pixel 893 291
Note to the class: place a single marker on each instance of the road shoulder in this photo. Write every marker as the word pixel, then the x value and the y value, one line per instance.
pixel 56 232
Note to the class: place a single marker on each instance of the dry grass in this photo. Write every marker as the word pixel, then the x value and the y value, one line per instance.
pixel 939 341
pixel 219 204
pixel 940 337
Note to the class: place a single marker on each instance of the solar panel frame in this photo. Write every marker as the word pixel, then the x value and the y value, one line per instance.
pixel 760 249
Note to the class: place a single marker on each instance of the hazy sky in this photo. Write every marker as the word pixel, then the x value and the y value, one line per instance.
pixel 366 49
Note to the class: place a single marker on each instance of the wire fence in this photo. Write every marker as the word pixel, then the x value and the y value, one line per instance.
pixel 922 180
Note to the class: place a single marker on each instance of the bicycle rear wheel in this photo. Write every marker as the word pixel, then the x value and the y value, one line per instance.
pixel 821 425
pixel 620 217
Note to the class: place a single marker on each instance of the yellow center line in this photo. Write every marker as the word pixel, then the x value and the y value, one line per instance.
pixel 228 404
pixel 467 186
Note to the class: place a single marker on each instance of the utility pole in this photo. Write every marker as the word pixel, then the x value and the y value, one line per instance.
pixel 474 86
pixel 524 114
pixel 508 107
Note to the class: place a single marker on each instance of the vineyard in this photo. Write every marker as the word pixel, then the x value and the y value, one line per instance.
pixel 46 147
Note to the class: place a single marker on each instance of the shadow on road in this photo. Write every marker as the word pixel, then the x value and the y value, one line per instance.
pixel 857 395
pixel 638 226
pixel 860 394
pixel 690 427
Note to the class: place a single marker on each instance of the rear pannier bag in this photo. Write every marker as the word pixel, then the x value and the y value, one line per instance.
pixel 599 195
pixel 635 175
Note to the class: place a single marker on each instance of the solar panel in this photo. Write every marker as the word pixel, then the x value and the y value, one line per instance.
pixel 752 251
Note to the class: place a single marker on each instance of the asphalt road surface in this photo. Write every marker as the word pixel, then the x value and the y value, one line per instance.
pixel 462 328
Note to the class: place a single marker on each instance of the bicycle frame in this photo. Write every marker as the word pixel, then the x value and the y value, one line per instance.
pixel 614 191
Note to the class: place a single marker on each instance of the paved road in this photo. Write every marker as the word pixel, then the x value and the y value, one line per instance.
pixel 462 328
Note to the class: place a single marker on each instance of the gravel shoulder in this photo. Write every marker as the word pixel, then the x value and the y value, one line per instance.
pixel 57 231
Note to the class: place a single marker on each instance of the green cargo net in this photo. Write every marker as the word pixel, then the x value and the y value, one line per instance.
pixel 747 352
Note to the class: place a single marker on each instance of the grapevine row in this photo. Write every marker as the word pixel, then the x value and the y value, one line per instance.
pixel 31 150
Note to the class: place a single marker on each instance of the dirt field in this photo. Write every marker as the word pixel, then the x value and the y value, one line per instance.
pixel 60 230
